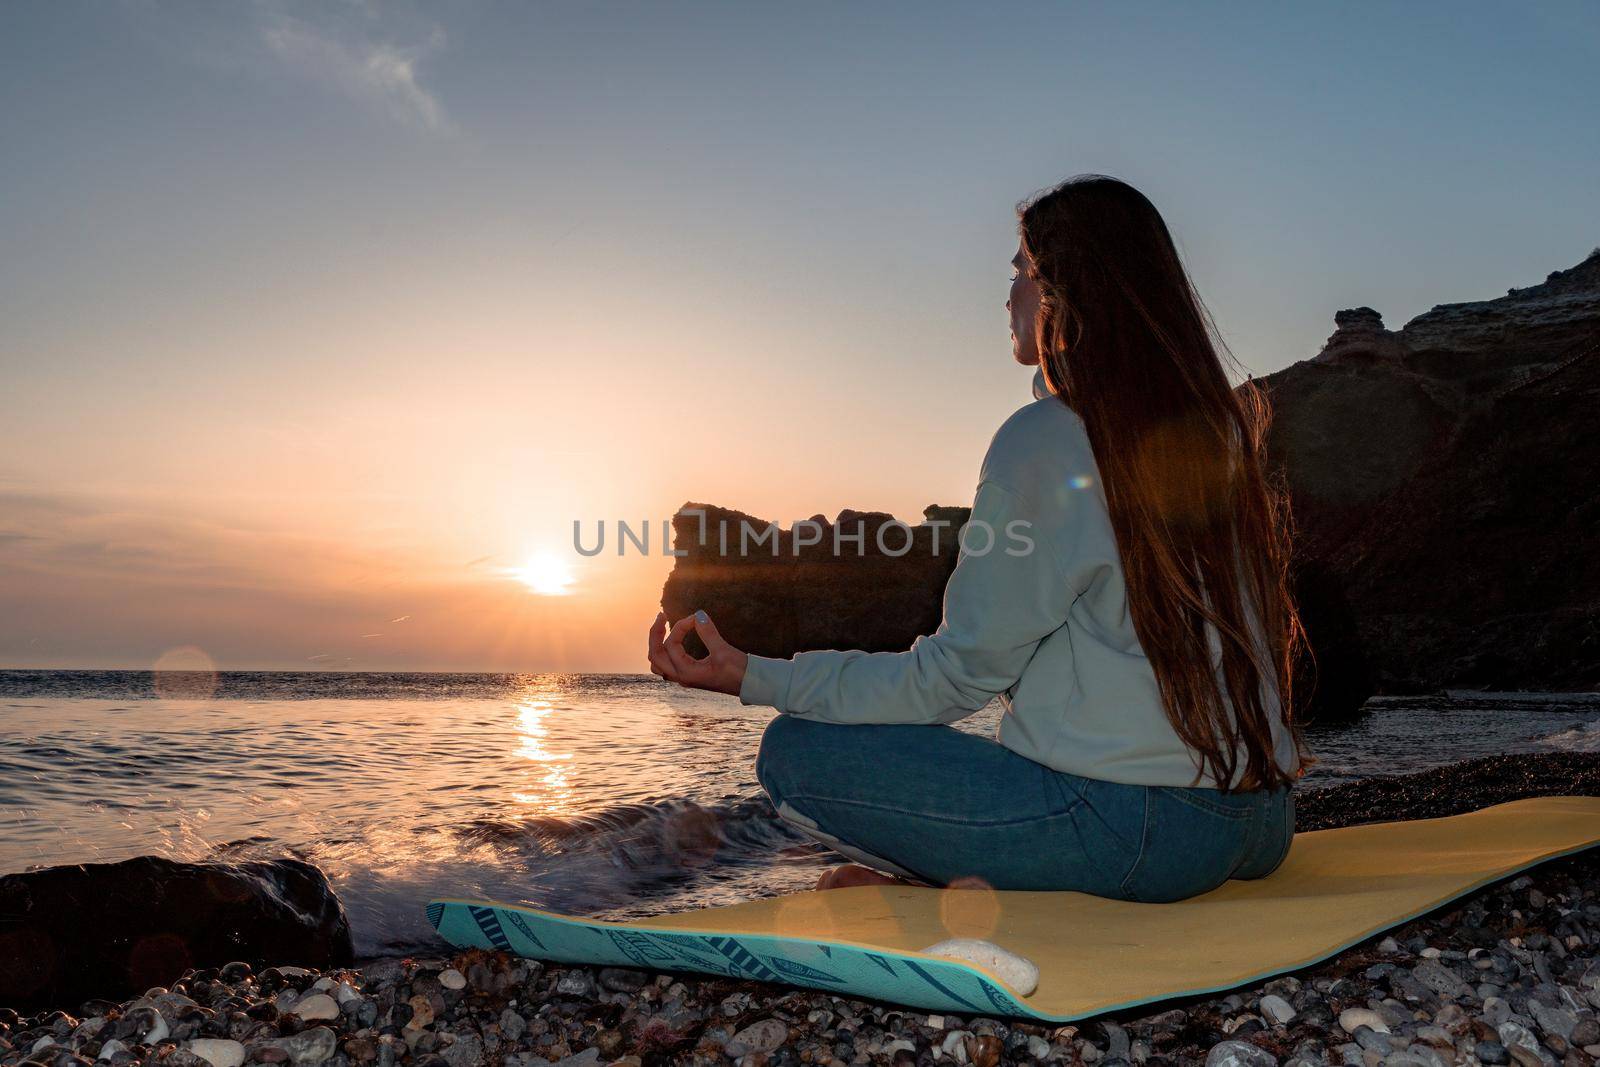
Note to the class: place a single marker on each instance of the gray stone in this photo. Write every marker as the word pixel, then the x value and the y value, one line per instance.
pixel 622 979
pixel 589 1057
pixel 1551 1020
pixel 1368 1038
pixel 1167 1020
pixel 1520 1042
pixel 465 1051
pixel 1117 1043
pixel 576 983
pixel 1441 979
pixel 1277 1009
pixel 1453 1019
pixel 317 1006
pixel 1491 1052
pixel 382 974
pixel 1239 1054
pixel 308 1047
pixel 1352 1018
pixel 1403 1058
pixel 762 1036
pixel 1430 1056
pixel 217 1051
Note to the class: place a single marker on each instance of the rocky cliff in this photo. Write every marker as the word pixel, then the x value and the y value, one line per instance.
pixel 1445 480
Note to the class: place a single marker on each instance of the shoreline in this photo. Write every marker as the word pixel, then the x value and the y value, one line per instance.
pixel 1507 974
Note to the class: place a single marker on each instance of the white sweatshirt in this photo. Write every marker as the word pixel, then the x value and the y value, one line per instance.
pixel 1046 630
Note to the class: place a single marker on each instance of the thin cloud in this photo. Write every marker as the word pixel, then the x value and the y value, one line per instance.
pixel 380 74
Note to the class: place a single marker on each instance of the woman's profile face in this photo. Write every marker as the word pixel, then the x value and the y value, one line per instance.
pixel 1024 307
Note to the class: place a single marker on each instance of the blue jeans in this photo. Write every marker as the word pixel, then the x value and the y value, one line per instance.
pixel 933 803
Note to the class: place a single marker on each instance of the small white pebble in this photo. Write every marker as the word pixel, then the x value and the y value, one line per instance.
pixel 451 978
pixel 1430 953
pixel 936 1021
pixel 1018 972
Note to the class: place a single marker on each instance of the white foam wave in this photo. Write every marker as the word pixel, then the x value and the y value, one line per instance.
pixel 1579 737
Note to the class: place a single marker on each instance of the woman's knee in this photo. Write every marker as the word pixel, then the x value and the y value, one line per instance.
pixel 775 758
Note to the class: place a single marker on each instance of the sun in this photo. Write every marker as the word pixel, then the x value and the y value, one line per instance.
pixel 546 574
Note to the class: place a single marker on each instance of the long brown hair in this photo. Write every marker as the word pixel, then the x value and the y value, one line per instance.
pixel 1126 343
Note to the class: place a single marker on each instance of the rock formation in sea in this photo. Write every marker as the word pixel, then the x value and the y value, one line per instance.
pixel 114 929
pixel 773 599
pixel 1445 482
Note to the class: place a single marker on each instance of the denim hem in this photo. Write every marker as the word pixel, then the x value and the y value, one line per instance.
pixel 800 821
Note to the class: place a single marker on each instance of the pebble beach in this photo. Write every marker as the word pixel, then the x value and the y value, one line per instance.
pixel 1507 975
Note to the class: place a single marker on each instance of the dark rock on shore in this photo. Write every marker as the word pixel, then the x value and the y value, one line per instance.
pixel 110 929
pixel 1445 483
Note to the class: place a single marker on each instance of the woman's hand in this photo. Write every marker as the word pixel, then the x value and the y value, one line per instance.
pixel 721 671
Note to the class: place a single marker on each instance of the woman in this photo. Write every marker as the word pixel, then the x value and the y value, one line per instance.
pixel 1143 649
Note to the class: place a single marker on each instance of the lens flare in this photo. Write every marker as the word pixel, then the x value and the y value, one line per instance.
pixel 184 673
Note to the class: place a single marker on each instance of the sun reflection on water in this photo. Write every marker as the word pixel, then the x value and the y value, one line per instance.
pixel 550 773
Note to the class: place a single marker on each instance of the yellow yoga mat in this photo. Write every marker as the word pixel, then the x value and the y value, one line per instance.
pixel 1334 889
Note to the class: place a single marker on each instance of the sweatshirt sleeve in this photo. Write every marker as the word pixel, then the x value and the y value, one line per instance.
pixel 1006 594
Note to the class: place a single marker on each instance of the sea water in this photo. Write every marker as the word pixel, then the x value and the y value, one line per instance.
pixel 611 795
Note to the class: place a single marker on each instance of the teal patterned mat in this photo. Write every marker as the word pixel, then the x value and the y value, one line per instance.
pixel 914 980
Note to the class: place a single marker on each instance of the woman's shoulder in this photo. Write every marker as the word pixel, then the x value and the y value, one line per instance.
pixel 1042 445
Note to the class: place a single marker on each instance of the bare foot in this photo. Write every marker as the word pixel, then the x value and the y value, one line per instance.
pixel 969 881
pixel 854 874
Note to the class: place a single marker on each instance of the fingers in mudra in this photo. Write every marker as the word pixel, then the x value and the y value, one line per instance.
pixel 720 670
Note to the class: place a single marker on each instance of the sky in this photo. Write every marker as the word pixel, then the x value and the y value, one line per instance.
pixel 322 324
